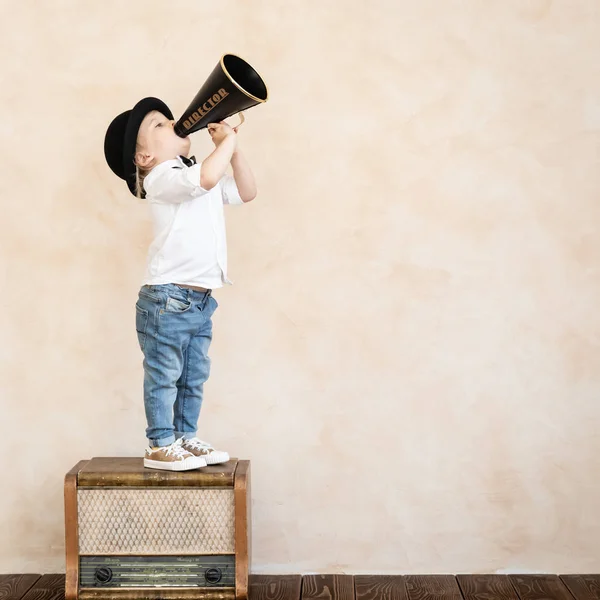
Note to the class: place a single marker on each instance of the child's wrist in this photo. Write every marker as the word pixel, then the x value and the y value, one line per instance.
pixel 229 139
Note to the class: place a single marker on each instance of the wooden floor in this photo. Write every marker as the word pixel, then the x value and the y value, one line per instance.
pixel 364 587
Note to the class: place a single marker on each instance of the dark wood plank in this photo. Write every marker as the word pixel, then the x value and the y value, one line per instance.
pixel 47 587
pixel 127 471
pixel 540 587
pixel 583 587
pixel 14 587
pixel 432 587
pixel 275 587
pixel 328 587
pixel 486 587
pixel 380 587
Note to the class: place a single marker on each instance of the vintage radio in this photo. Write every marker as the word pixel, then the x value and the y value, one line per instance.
pixel 133 532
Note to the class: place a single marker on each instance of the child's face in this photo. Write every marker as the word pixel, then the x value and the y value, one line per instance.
pixel 158 142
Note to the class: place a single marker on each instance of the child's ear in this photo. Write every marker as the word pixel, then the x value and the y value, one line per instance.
pixel 143 159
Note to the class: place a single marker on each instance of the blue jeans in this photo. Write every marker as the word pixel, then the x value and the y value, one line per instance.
pixel 174 330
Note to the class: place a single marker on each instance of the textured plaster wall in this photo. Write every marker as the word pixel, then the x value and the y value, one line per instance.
pixel 410 354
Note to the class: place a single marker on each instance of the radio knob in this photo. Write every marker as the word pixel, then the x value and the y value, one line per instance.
pixel 103 574
pixel 213 575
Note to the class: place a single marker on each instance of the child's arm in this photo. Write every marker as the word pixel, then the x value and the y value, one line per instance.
pixel 244 179
pixel 214 166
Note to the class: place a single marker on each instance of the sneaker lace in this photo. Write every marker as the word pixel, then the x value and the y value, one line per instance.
pixel 198 444
pixel 176 449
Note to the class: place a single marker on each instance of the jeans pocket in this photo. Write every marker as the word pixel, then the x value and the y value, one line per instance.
pixel 146 293
pixel 175 305
pixel 141 324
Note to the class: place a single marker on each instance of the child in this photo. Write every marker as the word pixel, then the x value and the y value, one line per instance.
pixel 186 261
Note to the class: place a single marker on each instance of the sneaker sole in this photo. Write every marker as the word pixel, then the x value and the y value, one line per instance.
pixel 183 465
pixel 216 458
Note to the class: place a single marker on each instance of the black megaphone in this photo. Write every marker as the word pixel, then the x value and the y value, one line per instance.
pixel 232 87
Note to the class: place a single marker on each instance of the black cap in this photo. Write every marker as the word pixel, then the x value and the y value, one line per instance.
pixel 121 138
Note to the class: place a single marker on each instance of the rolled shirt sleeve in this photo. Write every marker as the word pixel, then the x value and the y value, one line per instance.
pixel 229 190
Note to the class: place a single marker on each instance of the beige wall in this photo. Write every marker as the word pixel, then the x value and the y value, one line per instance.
pixel 410 355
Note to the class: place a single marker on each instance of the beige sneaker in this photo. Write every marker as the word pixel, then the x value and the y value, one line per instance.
pixel 172 458
pixel 206 451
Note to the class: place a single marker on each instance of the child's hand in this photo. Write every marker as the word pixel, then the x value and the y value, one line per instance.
pixel 219 131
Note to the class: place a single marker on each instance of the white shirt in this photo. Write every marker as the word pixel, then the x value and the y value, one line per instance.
pixel 190 245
